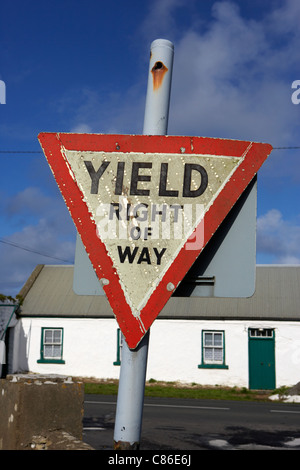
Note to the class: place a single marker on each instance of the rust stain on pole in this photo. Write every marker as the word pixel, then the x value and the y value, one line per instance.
pixel 123 445
pixel 158 72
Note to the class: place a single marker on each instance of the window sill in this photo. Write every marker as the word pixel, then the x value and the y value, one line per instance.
pixel 50 361
pixel 212 366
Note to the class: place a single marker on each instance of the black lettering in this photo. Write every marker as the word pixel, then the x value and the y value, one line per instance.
pixel 135 178
pixel 144 256
pixel 127 254
pixel 187 178
pixel 115 208
pixel 163 182
pixel 176 208
pixel 156 212
pixel 119 179
pixel 95 175
pixel 135 233
pixel 144 214
pixel 148 231
pixel 159 255
pixel 128 212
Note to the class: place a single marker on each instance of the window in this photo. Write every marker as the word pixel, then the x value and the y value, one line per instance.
pixel 213 350
pixel 119 346
pixel 260 333
pixel 51 346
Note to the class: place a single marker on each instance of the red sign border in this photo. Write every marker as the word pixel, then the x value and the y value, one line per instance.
pixel 54 144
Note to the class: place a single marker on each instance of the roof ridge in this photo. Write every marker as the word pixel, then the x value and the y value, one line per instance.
pixel 30 281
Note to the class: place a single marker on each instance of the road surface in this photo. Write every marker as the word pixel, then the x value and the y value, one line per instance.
pixel 185 424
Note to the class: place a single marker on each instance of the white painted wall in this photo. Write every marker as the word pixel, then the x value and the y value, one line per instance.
pixel 90 348
pixel 287 353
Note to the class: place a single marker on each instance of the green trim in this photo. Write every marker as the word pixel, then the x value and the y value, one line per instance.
pixel 118 361
pixel 51 361
pixel 43 360
pixel 207 365
pixel 212 366
pixel 261 376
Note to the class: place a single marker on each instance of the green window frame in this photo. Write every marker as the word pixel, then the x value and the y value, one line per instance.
pixel 213 350
pixel 51 346
pixel 117 362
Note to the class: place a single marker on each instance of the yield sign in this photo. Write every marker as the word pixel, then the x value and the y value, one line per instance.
pixel 145 207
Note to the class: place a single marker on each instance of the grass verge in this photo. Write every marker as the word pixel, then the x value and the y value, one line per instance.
pixel 177 390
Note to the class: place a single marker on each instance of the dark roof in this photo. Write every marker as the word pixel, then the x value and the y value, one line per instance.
pixel 49 293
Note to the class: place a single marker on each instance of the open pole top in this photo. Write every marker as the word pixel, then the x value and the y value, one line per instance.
pixel 159 87
pixel 162 43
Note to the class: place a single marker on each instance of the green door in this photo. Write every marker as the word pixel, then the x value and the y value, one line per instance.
pixel 261 359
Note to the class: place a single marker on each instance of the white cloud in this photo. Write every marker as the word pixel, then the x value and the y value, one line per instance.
pixel 160 20
pixel 285 18
pixel 232 76
pixel 47 235
pixel 231 80
pixel 278 238
pixel 81 129
pixel 29 200
pixel 32 204
pixel 19 259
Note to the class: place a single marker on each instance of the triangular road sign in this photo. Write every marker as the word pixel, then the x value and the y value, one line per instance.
pixel 145 207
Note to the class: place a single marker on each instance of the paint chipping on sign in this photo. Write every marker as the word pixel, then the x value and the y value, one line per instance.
pixel 145 207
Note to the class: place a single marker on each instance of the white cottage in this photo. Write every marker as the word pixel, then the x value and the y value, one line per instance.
pixel 244 342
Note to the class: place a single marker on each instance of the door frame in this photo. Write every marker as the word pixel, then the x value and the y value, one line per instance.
pixel 261 337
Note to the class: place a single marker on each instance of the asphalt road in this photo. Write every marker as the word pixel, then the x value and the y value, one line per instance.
pixel 183 424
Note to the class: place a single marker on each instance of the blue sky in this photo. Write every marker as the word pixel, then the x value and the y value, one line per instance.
pixel 81 66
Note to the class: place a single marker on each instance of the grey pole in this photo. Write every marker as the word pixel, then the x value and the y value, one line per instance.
pixel 159 88
pixel 130 402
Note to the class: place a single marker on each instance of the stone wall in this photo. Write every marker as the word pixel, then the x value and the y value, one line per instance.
pixel 39 411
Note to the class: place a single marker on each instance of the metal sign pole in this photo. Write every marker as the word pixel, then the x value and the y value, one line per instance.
pixel 130 400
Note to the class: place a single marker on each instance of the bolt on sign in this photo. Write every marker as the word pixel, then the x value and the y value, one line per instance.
pixel 145 207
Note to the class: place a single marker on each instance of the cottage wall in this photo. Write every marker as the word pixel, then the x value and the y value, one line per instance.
pixel 175 349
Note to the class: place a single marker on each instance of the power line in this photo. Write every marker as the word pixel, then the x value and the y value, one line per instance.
pixel 22 247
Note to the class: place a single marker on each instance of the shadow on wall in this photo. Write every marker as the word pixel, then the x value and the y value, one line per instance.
pixel 15 349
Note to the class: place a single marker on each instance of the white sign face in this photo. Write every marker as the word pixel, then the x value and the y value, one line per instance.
pixel 146 207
